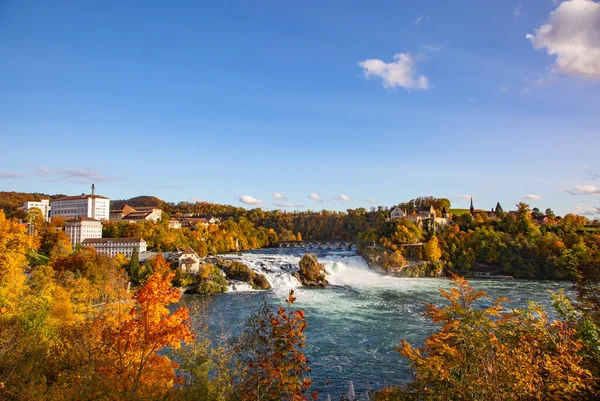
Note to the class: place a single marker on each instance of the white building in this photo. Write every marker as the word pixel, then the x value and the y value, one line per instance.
pixel 83 228
pixel 114 246
pixel 43 206
pixel 189 261
pixel 153 214
pixel 92 206
pixel 397 214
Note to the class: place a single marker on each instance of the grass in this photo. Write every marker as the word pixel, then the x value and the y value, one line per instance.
pixel 458 212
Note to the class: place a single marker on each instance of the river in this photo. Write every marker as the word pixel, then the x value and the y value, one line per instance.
pixel 355 323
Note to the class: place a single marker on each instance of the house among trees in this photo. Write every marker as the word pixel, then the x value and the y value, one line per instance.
pixel 192 222
pixel 422 214
pixel 134 215
pixel 189 261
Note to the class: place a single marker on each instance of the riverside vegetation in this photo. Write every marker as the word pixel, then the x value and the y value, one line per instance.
pixel 69 329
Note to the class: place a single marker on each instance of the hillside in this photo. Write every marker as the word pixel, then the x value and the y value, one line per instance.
pixel 138 201
pixel 11 201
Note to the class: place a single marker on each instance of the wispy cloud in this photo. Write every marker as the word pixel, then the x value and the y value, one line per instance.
pixel 572 36
pixel 531 197
pixel 517 11
pixel 196 199
pixel 279 196
pixel 401 72
pixel 421 19
pixel 464 196
pixel 288 205
pixel 503 89
pixel 315 197
pixel 11 175
pixel 371 200
pixel 586 210
pixel 525 90
pixel 589 174
pixel 250 200
pixel 79 176
pixel 343 198
pixel 583 190
pixel 43 171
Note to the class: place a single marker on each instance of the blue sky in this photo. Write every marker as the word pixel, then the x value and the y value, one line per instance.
pixel 234 101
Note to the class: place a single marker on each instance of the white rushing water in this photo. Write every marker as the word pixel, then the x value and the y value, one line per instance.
pixel 356 322
pixel 346 269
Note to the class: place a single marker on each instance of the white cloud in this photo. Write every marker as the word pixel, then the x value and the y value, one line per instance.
pixel 583 190
pixel 343 198
pixel 517 11
pixel 525 90
pixel 401 72
pixel 503 89
pixel 285 204
pixel 371 200
pixel 10 175
pixel 585 210
pixel 421 19
pixel 572 34
pixel 315 197
pixel 43 171
pixel 250 200
pixel 196 199
pixel 531 197
pixel 279 196
pixel 464 196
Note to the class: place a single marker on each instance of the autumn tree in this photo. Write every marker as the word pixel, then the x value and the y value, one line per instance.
pixel 271 361
pixel 123 345
pixel 487 353
pixel 431 250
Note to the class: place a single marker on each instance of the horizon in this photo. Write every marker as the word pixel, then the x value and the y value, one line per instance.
pixel 304 106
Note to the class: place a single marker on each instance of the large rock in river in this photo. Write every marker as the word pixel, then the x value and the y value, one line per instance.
pixel 311 273
pixel 235 270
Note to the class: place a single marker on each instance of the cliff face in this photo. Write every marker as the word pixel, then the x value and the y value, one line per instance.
pixel 380 261
pixel 238 271
pixel 311 273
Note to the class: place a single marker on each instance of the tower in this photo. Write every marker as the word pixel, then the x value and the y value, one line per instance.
pixel 472 209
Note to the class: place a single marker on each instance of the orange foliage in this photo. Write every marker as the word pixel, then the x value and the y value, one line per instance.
pixel 275 365
pixel 125 345
pixel 489 354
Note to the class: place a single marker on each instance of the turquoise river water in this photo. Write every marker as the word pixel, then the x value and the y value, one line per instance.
pixel 355 323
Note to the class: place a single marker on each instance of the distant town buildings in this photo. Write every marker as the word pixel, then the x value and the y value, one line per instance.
pixel 192 222
pixel 173 223
pixel 114 246
pixel 43 206
pixel 189 261
pixel 134 215
pixel 82 228
pixel 92 206
pixel 420 215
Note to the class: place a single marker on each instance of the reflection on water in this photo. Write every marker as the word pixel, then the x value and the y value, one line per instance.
pixel 354 324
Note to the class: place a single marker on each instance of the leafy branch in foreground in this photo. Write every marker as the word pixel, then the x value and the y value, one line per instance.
pixel 492 354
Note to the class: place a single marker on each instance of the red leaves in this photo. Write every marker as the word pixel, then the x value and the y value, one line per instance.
pixel 276 370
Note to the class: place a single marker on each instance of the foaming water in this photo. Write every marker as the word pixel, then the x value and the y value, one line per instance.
pixel 356 322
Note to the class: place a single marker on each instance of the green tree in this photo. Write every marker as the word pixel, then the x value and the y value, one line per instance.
pixel 134 267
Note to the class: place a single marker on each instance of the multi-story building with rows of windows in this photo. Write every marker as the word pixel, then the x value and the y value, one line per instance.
pixel 114 246
pixel 43 205
pixel 82 228
pixel 92 206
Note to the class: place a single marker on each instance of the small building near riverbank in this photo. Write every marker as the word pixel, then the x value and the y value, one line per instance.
pixel 189 261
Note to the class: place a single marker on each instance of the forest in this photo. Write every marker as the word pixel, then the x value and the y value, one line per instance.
pixel 71 328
